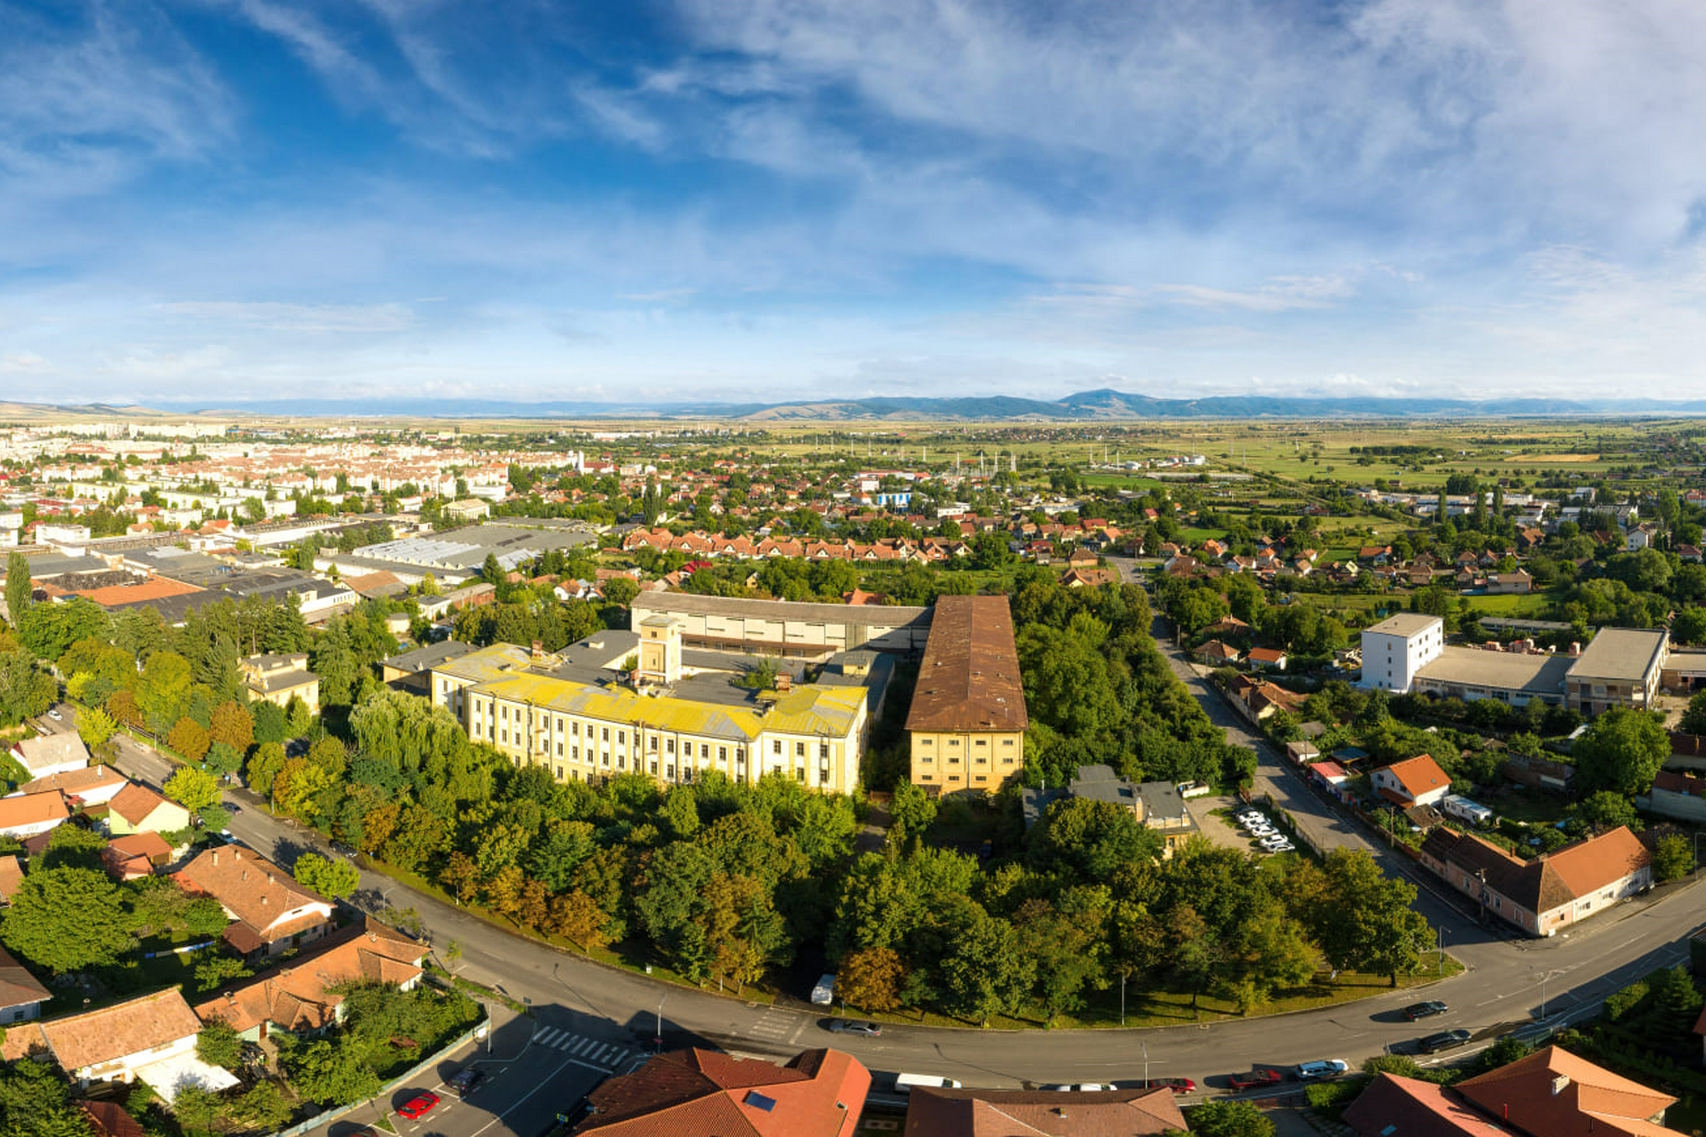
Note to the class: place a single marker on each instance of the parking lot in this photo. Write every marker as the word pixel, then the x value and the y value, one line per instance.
pixel 533 1071
pixel 1211 819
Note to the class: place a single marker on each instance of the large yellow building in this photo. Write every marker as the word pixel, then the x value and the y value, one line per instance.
pixel 591 731
pixel 967 723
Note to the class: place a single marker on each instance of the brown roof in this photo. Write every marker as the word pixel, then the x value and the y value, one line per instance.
pixel 1553 1093
pixel 32 809
pixel 1036 1113
pixel 687 1093
pixel 1415 1108
pixel 159 588
pixel 1549 881
pixel 11 876
pixel 18 986
pixel 135 802
pixel 75 782
pixel 969 679
pixel 124 1028
pixel 109 1119
pixel 252 888
pixel 298 995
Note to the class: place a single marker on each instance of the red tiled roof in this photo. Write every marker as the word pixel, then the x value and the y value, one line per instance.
pixel 32 809
pixel 696 1092
pixel 1553 1093
pixel 1392 1105
pixel 1419 775
pixel 1041 1113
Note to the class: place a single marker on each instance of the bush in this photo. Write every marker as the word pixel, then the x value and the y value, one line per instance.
pixel 1331 1098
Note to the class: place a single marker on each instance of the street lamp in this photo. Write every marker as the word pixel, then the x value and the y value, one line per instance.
pixel 658 1037
pixel 1544 976
pixel 1145 1047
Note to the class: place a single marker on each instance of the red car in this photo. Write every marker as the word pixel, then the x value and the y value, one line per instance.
pixel 418 1106
pixel 1255 1079
pixel 1177 1085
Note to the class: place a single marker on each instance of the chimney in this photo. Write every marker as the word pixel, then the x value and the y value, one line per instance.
pixel 216 858
pixel 1560 1084
pixel 538 652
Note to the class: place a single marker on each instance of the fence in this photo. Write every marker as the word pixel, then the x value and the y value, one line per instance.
pixel 388 1088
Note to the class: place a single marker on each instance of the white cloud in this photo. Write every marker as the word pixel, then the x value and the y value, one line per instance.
pixel 307 318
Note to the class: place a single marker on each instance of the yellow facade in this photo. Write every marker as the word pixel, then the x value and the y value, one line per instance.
pixel 953 761
pixel 588 733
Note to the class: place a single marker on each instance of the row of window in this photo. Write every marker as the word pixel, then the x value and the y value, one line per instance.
pixel 573 726
pixel 953 743
pixel 980 760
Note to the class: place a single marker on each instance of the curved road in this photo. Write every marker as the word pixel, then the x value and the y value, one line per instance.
pixel 1503 986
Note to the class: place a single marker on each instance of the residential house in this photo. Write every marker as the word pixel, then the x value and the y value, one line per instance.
pixel 89 786
pixel 1412 782
pixel 21 994
pixel 51 754
pixel 1036 1113
pixel 138 809
pixel 279 678
pixel 1509 583
pixel 1267 657
pixel 1676 794
pixel 1158 805
pixel 31 814
pixel 1217 653
pixel 1088 577
pixel 270 912
pixel 1553 1093
pixel 135 855
pixel 302 995
pixel 1552 891
pixel 702 1093
pixel 150 1038
pixel 1302 751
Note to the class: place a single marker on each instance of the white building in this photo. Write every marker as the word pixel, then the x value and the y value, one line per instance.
pixel 1398 647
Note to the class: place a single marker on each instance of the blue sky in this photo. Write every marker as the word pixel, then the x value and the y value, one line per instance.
pixel 209 201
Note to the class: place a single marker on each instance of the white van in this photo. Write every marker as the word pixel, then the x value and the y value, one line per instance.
pixel 903 1083
pixel 824 993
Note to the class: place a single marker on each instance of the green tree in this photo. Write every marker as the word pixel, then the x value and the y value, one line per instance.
pixel 1369 923
pixel 620 590
pixel 222 761
pixel 219 1043
pixel 330 878
pixel 35 1102
pixel 94 727
pixel 66 919
pixel 329 1071
pixel 263 766
pixel 163 689
pixel 1607 810
pixel 25 690
pixel 1225 1118
pixel 1622 751
pixel 1694 718
pixel 1673 857
pixel 18 587
pixel 195 790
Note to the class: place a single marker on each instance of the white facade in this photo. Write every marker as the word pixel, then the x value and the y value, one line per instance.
pixel 1398 647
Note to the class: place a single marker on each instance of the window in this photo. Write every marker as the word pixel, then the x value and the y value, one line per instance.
pixel 954 743
pixel 799 750
pixel 604 734
pixel 776 746
pixel 652 743
pixel 722 753
pixel 1007 743
pixel 823 750
pixel 654 769
pixel 981 742
pixel 799 773
pixel 559 749
pixel 669 746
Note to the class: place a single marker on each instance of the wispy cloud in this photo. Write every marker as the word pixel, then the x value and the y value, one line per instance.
pixel 308 318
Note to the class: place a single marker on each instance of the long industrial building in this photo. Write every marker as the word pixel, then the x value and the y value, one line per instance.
pixel 967 723
pixel 787 628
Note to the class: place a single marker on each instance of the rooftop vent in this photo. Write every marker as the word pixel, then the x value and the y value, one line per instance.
pixel 758 1101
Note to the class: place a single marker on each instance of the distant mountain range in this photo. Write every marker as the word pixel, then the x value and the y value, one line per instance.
pixel 1083 407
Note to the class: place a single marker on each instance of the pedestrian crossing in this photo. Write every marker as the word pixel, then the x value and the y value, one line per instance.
pixel 774 1025
pixel 589 1051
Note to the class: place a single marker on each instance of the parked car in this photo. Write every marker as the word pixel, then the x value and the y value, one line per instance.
pixel 1078 1087
pixel 1422 1010
pixel 1279 847
pixel 465 1079
pixel 1246 813
pixel 854 1026
pixel 1322 1068
pixel 904 1083
pixel 418 1106
pixel 1255 1079
pixel 1276 839
pixel 1444 1040
pixel 1177 1085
